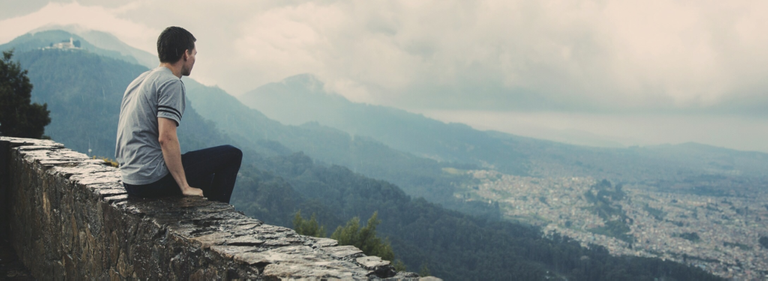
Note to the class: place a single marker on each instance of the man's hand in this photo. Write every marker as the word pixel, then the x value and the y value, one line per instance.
pixel 191 191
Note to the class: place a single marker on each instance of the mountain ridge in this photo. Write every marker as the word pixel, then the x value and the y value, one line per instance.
pixel 286 101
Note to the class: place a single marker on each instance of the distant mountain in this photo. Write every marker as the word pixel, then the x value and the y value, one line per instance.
pixel 308 101
pixel 302 98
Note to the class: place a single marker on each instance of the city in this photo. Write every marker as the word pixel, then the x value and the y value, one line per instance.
pixel 718 234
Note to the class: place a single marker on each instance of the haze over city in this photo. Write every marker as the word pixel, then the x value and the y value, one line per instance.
pixel 606 73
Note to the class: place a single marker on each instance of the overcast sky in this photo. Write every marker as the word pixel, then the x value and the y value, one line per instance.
pixel 625 72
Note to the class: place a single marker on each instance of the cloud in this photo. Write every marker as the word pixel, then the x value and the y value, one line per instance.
pixel 19 7
pixel 494 54
pixel 564 54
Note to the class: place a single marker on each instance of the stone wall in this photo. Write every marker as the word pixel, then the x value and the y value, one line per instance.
pixel 69 218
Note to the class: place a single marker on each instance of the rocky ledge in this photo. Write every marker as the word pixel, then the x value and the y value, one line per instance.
pixel 70 218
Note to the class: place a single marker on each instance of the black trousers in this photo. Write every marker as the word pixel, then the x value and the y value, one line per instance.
pixel 214 170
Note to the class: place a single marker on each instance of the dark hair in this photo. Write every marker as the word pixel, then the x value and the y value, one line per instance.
pixel 173 42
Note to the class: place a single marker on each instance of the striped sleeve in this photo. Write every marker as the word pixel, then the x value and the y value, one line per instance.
pixel 170 100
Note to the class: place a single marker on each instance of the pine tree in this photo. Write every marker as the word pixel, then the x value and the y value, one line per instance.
pixel 308 227
pixel 424 270
pixel 18 117
pixel 399 265
pixel 365 239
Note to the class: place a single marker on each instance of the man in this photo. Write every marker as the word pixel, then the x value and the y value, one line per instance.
pixel 147 147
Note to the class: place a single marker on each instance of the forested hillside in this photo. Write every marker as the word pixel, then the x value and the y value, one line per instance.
pixel 83 91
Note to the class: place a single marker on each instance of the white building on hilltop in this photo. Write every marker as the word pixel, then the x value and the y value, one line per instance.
pixel 72 44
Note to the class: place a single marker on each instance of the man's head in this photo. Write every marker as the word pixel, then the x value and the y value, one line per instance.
pixel 175 44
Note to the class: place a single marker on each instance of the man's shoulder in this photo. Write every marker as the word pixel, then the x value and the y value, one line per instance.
pixel 161 75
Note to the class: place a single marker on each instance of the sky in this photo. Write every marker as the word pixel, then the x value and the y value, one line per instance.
pixel 609 73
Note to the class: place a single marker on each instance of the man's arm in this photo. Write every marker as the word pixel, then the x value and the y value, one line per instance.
pixel 169 143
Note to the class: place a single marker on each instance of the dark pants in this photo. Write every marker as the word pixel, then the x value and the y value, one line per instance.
pixel 214 170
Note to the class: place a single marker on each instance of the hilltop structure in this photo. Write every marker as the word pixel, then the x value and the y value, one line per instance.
pixel 65 45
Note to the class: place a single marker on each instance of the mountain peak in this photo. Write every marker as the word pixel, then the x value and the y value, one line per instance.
pixel 70 28
pixel 309 82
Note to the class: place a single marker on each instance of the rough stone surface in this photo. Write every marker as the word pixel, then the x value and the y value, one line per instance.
pixel 10 267
pixel 70 218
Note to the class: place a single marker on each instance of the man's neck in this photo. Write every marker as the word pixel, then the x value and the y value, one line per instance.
pixel 174 67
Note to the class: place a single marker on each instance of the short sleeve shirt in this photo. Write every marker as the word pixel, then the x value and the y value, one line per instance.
pixel 155 93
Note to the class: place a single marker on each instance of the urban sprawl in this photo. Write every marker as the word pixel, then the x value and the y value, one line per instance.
pixel 718 234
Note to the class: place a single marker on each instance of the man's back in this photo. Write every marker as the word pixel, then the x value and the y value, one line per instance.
pixel 155 93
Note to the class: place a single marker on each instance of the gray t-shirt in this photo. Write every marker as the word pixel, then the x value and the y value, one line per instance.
pixel 155 93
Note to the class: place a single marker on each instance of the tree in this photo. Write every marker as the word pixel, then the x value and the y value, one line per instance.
pixel 19 117
pixel 424 270
pixel 308 227
pixel 399 265
pixel 365 239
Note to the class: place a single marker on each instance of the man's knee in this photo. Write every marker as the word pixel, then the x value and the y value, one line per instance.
pixel 236 152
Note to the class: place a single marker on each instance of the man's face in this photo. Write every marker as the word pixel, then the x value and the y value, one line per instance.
pixel 189 62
